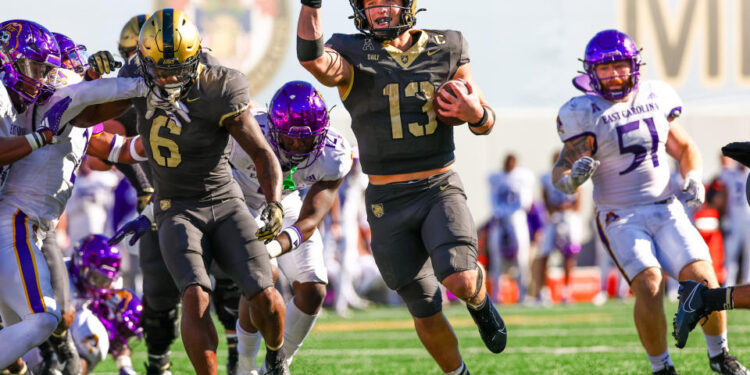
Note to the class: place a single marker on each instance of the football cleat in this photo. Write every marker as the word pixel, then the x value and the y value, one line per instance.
pixel 669 370
pixel 491 326
pixel 727 364
pixel 158 365
pixel 689 311
pixel 275 363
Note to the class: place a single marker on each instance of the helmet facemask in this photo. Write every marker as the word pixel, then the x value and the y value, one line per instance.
pixel 185 74
pixel 407 19
pixel 610 46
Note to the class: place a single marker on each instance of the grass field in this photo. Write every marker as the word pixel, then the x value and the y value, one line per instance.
pixel 573 339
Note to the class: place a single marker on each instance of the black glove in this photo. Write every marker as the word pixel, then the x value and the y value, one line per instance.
pixel 739 151
pixel 103 62
pixel 272 215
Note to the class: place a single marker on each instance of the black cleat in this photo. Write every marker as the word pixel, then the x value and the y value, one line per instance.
pixel 491 326
pixel 689 311
pixel 275 363
pixel 232 356
pixel 158 365
pixel 727 364
pixel 669 370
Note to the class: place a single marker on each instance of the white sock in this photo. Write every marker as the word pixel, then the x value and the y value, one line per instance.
pixel 297 325
pixel 461 370
pixel 716 344
pixel 19 338
pixel 248 345
pixel 660 361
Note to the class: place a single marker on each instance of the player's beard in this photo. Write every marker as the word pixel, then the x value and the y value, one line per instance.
pixel 616 84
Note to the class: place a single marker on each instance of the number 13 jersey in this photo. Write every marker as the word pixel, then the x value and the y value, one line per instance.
pixel 629 141
pixel 390 99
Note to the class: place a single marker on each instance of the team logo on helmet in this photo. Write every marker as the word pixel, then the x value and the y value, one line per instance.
pixel 10 32
pixel 250 36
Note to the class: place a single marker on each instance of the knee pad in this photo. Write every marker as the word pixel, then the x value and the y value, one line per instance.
pixel 160 328
pixel 480 280
pixel 226 300
pixel 422 297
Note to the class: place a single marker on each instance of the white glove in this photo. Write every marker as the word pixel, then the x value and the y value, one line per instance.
pixel 171 105
pixel 693 188
pixel 582 169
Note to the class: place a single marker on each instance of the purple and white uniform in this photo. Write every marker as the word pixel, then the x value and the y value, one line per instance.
pixel 737 238
pixel 305 264
pixel 564 229
pixel 638 218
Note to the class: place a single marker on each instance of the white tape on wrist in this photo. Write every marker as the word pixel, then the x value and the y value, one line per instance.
pixel 273 248
pixel 295 236
pixel 115 148
pixel 36 140
pixel 133 153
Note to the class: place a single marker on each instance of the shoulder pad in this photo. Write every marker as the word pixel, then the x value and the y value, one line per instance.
pixel 576 117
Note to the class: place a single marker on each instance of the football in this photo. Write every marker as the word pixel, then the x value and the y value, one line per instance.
pixel 445 90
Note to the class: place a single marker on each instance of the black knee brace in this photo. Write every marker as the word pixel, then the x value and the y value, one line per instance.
pixel 160 329
pixel 226 299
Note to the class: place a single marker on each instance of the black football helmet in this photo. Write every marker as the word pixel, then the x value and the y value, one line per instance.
pixel 407 20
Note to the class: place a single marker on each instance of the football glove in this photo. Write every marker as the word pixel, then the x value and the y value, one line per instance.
pixel 103 62
pixel 693 189
pixel 137 227
pixel 272 215
pixel 582 169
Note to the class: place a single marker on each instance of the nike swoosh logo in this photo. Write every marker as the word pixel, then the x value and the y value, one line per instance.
pixel 430 53
pixel 189 100
pixel 687 306
pixel 444 187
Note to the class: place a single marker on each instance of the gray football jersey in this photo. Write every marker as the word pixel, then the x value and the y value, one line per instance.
pixel 192 162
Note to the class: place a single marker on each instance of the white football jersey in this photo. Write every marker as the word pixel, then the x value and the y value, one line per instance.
pixel 629 142
pixel 555 198
pixel 734 180
pixel 41 183
pixel 12 124
pixel 511 192
pixel 334 162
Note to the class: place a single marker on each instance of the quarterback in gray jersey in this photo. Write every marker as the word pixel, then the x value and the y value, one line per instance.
pixel 198 206
pixel 389 79
pixel 315 157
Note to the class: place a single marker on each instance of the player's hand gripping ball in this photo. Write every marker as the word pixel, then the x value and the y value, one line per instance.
pixel 445 97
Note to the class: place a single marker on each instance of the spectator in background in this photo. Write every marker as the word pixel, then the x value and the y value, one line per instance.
pixel 736 236
pixel 511 194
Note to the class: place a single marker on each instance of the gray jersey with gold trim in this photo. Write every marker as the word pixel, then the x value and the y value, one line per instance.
pixel 192 162
pixel 391 99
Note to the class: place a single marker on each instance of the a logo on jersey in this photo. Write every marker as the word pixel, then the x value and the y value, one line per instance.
pixel 638 109
pixel 611 217
pixel 373 57
pixel 367 46
pixel 595 108
pixel 250 36
pixel 311 178
pixel 165 204
pixel 404 59
pixel 377 210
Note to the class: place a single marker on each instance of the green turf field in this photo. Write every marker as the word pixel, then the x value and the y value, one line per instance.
pixel 574 339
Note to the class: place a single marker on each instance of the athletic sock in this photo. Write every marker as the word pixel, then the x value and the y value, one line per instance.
pixel 660 361
pixel 718 299
pixel 461 370
pixel 297 326
pixel 248 345
pixel 716 344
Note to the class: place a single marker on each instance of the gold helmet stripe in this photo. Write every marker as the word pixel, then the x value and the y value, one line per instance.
pixel 168 33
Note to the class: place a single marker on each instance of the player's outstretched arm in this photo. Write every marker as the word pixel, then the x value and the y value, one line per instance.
pixel 327 65
pixel 116 148
pixel 246 131
pixel 680 146
pixel 318 201
pixel 471 107
pixel 15 148
pixel 575 164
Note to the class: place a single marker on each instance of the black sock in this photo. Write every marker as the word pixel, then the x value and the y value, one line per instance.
pixel 718 299
pixel 481 304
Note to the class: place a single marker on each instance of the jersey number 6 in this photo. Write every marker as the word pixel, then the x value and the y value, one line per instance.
pixel 392 91
pixel 158 143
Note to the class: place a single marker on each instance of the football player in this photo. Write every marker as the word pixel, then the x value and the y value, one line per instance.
pixel 45 156
pixel 200 204
pixel 313 156
pixel 422 231
pixel 629 127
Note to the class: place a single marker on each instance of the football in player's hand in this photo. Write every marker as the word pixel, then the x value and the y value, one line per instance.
pixel 446 93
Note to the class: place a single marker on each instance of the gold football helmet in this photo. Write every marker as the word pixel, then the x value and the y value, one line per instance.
pixel 129 35
pixel 169 48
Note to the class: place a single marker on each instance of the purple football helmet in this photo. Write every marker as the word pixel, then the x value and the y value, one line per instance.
pixel 297 112
pixel 608 46
pixel 96 265
pixel 74 56
pixel 28 53
pixel 120 313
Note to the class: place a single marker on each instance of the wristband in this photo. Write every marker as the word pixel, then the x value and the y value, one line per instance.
pixel 312 3
pixel 133 153
pixel 309 50
pixel 295 236
pixel 115 148
pixel 485 117
pixel 36 140
pixel 273 248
